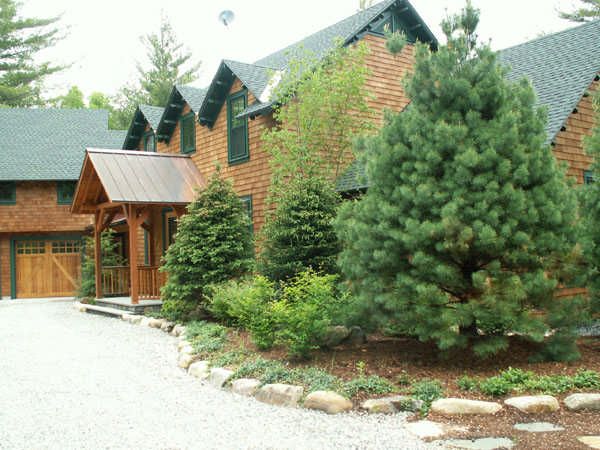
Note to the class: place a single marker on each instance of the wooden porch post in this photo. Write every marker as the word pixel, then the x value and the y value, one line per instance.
pixel 98 254
pixel 132 221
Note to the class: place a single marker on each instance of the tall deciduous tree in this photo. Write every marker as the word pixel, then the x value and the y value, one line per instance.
pixel 468 220
pixel 168 64
pixel 72 99
pixel 589 10
pixel 21 78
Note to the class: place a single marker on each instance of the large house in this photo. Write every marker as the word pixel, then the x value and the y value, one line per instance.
pixel 41 151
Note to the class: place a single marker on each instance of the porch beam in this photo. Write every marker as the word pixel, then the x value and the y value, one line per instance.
pixel 97 256
pixel 132 221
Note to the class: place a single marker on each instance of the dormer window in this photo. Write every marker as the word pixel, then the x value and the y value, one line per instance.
pixel 149 141
pixel 237 129
pixel 188 133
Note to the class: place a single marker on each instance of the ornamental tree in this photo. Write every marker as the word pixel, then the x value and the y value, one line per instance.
pixel 213 244
pixel 464 232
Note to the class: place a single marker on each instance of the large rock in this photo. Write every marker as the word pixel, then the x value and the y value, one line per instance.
pixel 185 360
pixel 178 330
pixel 489 443
pixel 199 369
pixel 245 386
pixel 356 337
pixel 155 323
pixel 327 401
pixel 219 376
pixel 182 344
pixel 452 406
pixel 167 326
pixel 576 402
pixel 334 336
pixel 145 321
pixel 126 317
pixel 135 320
pixel 391 405
pixel 590 441
pixel 280 394
pixel 188 349
pixel 534 404
pixel 537 427
pixel 427 429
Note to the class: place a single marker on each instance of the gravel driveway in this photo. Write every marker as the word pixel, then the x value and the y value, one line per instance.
pixel 77 381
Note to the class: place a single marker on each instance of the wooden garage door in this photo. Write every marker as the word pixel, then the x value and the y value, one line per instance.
pixel 47 268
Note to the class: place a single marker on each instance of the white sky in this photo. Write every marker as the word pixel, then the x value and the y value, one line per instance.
pixel 103 42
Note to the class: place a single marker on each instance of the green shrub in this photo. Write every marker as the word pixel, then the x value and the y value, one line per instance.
pixel 248 304
pixel 178 311
pixel 586 379
pixel 495 386
pixel 213 244
pixel 428 391
pixel 372 384
pixel 256 368
pixel 205 337
pixel 229 358
pixel 467 383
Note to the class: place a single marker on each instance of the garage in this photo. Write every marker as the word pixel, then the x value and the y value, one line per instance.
pixel 46 267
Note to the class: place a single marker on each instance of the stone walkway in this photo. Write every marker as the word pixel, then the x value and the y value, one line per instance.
pixel 76 381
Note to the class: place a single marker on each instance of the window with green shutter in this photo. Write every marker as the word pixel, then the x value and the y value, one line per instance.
pixel 247 203
pixel 8 192
pixel 149 142
pixel 65 190
pixel 237 129
pixel 588 177
pixel 187 133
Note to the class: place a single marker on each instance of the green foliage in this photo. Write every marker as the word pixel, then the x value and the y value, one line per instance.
pixel 213 244
pixel 110 257
pixel 248 304
pixel 72 99
pixel 229 358
pixel 519 381
pixel 206 337
pixel 590 10
pixel 427 391
pixel 467 383
pixel 299 233
pixel 168 64
pixel 21 39
pixel 180 311
pixel 371 384
pixel 468 225
pixel 395 42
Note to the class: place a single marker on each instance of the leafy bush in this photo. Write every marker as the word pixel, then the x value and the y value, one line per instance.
pixel 256 368
pixel 205 337
pixel 428 391
pixel 178 311
pixel 467 383
pixel 372 384
pixel 213 244
pixel 248 304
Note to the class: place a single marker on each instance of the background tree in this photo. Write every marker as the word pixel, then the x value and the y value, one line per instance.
pixel 168 64
pixel 213 244
pixel 591 214
pixel 21 78
pixel 463 233
pixel 590 10
pixel 322 106
pixel 110 257
pixel 71 100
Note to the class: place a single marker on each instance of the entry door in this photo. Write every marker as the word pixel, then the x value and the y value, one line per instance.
pixel 47 268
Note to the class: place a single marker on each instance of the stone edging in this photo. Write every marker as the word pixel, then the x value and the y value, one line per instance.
pixel 332 402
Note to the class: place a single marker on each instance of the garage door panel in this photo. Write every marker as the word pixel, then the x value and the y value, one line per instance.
pixel 47 268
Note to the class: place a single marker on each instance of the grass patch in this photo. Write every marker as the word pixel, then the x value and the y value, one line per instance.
pixel 520 381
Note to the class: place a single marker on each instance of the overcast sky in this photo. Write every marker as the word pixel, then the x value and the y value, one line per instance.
pixel 103 42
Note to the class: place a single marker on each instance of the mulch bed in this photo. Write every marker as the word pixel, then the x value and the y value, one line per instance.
pixel 401 359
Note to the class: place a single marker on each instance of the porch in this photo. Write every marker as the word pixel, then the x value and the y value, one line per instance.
pixel 138 188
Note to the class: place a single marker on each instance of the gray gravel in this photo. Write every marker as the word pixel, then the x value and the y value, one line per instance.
pixel 70 380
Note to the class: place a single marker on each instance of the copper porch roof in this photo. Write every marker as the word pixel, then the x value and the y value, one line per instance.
pixel 145 177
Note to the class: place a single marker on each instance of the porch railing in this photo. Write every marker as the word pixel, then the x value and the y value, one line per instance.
pixel 115 281
pixel 150 282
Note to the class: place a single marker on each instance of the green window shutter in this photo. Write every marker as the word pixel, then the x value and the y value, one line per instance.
pixel 8 192
pixel 149 142
pixel 247 203
pixel 187 133
pixel 65 190
pixel 588 177
pixel 237 129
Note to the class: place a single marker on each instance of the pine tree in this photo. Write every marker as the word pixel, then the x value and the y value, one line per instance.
pixel 21 39
pixel 169 64
pixel 591 11
pixel 299 233
pixel 591 214
pixel 463 233
pixel 213 244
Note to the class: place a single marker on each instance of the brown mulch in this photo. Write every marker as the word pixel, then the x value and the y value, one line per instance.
pixel 402 359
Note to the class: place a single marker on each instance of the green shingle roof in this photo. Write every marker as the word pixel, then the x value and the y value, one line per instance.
pixel 49 144
pixel 144 114
pixel 152 114
pixel 561 67
pixel 193 96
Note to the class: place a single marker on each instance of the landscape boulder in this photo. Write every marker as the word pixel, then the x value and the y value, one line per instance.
pixel 327 401
pixel 280 394
pixel 391 405
pixel 590 441
pixel 182 344
pixel 245 386
pixel 454 406
pixel 135 320
pixel 167 326
pixel 199 369
pixel 219 376
pixel 356 336
pixel 534 404
pixel 577 402
pixel 178 330
pixel 185 360
pixel 145 321
pixel 334 336
pixel 155 323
